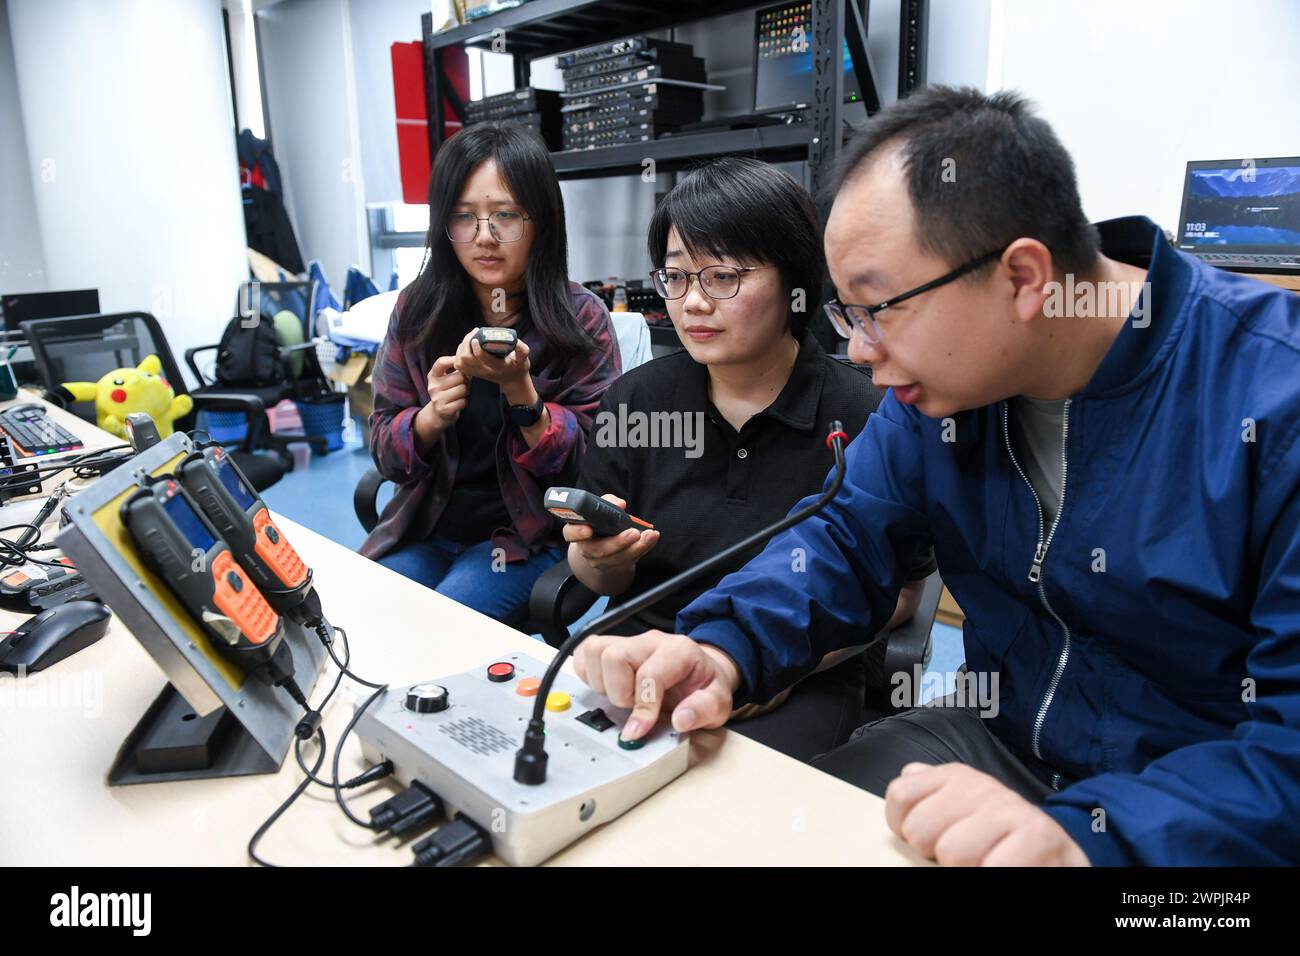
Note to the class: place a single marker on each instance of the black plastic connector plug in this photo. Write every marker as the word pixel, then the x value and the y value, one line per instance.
pixel 455 843
pixel 413 809
pixel 378 772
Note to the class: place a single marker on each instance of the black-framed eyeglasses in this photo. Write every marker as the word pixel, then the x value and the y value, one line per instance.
pixel 506 225
pixel 846 317
pixel 717 281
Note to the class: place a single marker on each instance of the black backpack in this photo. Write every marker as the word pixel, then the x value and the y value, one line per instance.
pixel 249 356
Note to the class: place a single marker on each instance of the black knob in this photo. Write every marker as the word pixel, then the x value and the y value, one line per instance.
pixel 426 698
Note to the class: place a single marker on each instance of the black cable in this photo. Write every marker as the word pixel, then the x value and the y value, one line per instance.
pixel 338 679
pixel 279 811
pixel 12 555
pixel 338 751
pixel 343 665
pixel 377 772
pixel 91 462
pixel 371 774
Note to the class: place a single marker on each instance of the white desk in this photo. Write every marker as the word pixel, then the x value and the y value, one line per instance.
pixel 740 803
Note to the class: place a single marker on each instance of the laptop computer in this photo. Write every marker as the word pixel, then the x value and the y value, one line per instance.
pixel 21 307
pixel 1243 214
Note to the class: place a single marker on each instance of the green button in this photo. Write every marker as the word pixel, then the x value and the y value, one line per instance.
pixel 631 744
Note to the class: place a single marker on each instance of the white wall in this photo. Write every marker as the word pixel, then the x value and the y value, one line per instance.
pixel 312 118
pixel 376 26
pixel 1136 89
pixel 958 52
pixel 243 63
pixel 131 151
pixel 22 259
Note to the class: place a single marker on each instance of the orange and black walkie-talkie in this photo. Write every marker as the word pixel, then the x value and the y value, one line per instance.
pixel 176 542
pixel 575 506
pixel 238 513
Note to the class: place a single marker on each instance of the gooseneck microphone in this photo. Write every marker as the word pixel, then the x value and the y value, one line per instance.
pixel 530 759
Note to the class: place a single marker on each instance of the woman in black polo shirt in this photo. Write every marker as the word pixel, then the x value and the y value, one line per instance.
pixel 718 441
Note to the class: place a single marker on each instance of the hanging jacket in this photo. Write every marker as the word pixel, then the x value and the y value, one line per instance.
pixel 269 230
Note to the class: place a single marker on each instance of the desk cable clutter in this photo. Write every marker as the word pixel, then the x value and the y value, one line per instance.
pixel 186 553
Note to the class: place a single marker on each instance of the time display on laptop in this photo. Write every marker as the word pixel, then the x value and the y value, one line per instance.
pixel 1241 205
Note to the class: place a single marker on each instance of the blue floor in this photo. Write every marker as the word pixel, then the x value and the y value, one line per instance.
pixel 320 498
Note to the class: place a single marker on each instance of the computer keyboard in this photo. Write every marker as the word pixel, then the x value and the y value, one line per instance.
pixel 31 432
pixel 1262 259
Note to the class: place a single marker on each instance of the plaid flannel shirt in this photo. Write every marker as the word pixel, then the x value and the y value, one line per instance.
pixel 571 388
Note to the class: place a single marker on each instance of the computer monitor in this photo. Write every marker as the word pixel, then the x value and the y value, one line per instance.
pixel 1241 206
pixel 783 65
pixel 23 306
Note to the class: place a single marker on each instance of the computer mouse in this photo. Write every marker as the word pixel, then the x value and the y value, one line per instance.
pixel 52 635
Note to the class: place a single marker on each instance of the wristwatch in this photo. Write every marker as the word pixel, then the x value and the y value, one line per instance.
pixel 525 415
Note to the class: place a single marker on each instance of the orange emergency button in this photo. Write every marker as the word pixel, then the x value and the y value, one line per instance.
pixel 527 687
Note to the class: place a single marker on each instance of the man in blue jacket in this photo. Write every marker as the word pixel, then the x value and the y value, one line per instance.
pixel 1109 481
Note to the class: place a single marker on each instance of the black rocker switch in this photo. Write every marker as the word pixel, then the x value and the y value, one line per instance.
pixel 596 719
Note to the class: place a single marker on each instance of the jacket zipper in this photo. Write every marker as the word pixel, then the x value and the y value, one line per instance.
pixel 1036 572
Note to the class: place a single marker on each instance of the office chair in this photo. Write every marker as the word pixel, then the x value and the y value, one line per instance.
pixel 302 376
pixel 84 348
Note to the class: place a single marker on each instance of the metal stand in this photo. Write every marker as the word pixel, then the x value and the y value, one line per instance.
pixel 210 721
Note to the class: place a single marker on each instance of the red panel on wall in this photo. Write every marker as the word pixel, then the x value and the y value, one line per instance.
pixel 413 116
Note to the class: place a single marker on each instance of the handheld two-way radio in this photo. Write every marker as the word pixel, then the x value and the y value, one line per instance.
pixel 497 340
pixel 180 545
pixel 238 513
pixel 575 506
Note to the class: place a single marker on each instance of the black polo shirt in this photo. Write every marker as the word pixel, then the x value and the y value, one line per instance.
pixel 738 483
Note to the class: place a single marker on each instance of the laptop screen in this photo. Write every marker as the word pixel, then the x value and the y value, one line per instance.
pixel 48 305
pixel 1249 206
pixel 783 59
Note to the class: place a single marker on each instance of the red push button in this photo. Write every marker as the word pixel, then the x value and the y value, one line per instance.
pixel 500 672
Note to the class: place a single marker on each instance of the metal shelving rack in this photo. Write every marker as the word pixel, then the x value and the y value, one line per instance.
pixel 543 28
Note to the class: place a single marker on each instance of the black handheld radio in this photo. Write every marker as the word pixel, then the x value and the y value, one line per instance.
pixel 575 506
pixel 497 340
pixel 229 501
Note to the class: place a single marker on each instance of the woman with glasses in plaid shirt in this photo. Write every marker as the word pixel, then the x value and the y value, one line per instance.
pixel 473 439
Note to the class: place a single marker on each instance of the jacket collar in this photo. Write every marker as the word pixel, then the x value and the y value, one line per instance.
pixel 1137 241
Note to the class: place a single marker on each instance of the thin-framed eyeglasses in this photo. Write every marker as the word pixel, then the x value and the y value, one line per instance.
pixel 846 317
pixel 506 225
pixel 717 281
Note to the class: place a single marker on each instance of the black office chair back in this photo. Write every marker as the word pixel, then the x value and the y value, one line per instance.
pixel 269 299
pixel 85 348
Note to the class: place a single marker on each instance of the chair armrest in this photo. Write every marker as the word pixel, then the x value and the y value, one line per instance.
pixel 365 498
pixel 557 600
pixel 252 407
pixel 300 347
pixel 908 645
pixel 193 363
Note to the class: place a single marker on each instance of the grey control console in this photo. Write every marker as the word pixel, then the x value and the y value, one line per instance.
pixel 458 736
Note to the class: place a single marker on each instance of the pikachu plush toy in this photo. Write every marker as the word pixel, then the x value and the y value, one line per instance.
pixel 126 390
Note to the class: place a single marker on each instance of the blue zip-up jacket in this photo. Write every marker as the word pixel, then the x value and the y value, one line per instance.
pixel 1152 671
